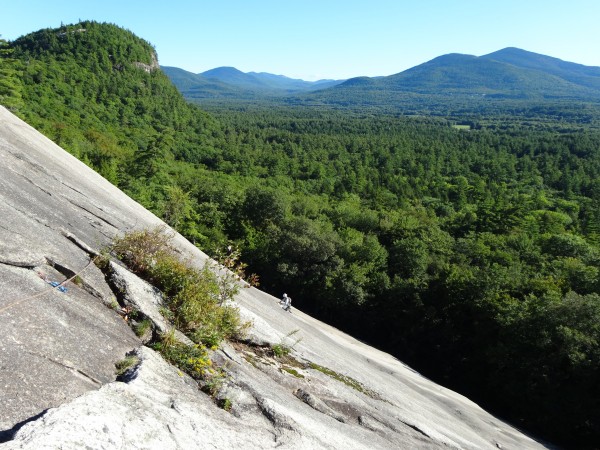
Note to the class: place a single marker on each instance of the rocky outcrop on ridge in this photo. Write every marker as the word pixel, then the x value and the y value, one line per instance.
pixel 148 67
pixel 62 333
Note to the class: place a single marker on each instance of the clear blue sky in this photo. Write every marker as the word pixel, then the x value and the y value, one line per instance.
pixel 313 39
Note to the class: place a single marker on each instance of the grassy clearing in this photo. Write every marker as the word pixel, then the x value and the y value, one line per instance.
pixel 462 127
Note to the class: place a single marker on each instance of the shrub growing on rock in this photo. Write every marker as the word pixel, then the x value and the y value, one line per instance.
pixel 194 297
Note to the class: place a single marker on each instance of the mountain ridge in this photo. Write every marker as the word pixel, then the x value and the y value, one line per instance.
pixel 507 74
pixel 226 81
pixel 508 71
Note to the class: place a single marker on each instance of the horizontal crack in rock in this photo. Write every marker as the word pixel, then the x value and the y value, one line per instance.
pixel 28 214
pixel 23 264
pixel 67 366
pixel 416 428
pixel 91 212
pixel 37 186
pixel 79 243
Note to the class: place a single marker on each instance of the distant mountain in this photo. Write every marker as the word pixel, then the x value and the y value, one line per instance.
pixel 235 78
pixel 359 82
pixel 575 73
pixel 471 75
pixel 508 74
pixel 193 85
pixel 231 82
pixel 293 84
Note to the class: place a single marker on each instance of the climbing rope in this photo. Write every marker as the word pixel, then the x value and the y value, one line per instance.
pixel 46 291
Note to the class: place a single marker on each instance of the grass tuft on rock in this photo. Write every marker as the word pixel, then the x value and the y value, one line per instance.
pixel 124 365
pixel 348 381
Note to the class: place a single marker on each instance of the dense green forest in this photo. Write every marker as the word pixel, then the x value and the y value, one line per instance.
pixel 471 253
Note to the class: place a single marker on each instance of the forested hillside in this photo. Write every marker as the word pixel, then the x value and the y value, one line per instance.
pixel 472 255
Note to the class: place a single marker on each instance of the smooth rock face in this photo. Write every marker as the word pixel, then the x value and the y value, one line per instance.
pixel 58 349
pixel 55 345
